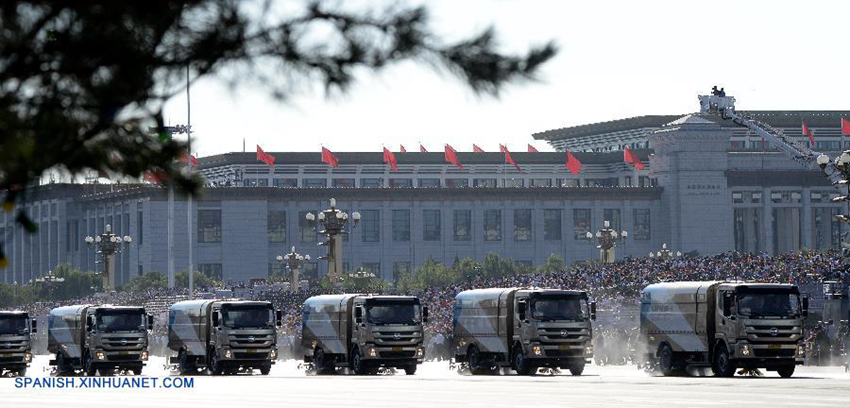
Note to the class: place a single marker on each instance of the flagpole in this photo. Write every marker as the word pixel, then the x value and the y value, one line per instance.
pixel 189 198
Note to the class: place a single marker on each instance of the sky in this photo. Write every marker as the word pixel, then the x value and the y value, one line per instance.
pixel 617 59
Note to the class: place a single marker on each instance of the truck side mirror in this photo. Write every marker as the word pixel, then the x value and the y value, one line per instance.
pixel 34 326
pixel 150 321
pixel 358 315
pixel 89 323
pixel 521 307
pixel 805 306
pixel 278 317
pixel 425 314
pixel 215 319
pixel 592 310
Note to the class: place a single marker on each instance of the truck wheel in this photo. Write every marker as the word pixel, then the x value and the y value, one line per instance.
pixel 136 369
pixel 61 365
pixel 786 372
pixel 183 366
pixel 473 358
pixel 410 369
pixel 22 372
pixel 265 369
pixel 320 360
pixel 357 365
pixel 577 368
pixel 722 366
pixel 665 360
pixel 216 368
pixel 521 363
pixel 88 365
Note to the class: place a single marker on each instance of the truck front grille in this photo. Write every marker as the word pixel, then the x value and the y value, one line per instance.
pixel 397 338
pixel 398 354
pixel 563 335
pixel 775 353
pixel 123 343
pixel 250 340
pixel 12 346
pixel 773 334
pixel 564 353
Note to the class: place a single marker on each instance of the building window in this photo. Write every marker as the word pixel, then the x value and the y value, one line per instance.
pixel 643 181
pixel 315 183
pixel 429 183
pixel 400 269
pixel 343 183
pixel 374 267
pixel 401 183
pixel 463 225
pixel 285 182
pixel 457 183
pixel 249 182
pixel 737 198
pixel 371 225
pixel 642 227
pixel 277 226
pixel 78 238
pixel 306 232
pixel 263 182
pixel 209 226
pixel 141 230
pixel 431 225
pixel 613 218
pixel 541 182
pixel 487 182
pixel 212 271
pixel 552 225
pixel 514 182
pixel 401 225
pixel 311 271
pixel 522 225
pixel 581 223
pixel 371 183
pixel 492 225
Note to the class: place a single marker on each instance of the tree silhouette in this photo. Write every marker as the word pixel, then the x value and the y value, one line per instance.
pixel 82 83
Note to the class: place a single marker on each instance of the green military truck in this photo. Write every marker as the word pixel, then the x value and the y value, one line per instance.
pixel 16 329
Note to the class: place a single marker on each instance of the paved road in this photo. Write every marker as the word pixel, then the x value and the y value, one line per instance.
pixel 436 386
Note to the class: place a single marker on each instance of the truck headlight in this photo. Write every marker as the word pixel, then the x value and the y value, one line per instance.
pixel 228 354
pixel 372 352
pixel 801 351
pixel 420 352
pixel 100 355
pixel 273 354
pixel 144 355
pixel 588 349
pixel 745 350
pixel 27 357
pixel 537 350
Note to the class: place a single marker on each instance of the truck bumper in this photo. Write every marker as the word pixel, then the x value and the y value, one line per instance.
pixel 394 356
pixel 15 360
pixel 562 353
pixel 769 355
pixel 248 356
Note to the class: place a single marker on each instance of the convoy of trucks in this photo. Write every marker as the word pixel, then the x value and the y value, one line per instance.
pixel 98 339
pixel 724 325
pixel 524 329
pixel 16 329
pixel 224 336
pixel 363 332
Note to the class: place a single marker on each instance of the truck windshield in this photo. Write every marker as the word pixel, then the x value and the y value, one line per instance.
pixel 761 304
pixel 560 307
pixel 248 316
pixel 13 324
pixel 120 321
pixel 393 312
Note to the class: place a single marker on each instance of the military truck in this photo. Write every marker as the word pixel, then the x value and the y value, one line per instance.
pixel 524 329
pixel 98 339
pixel 724 325
pixel 15 342
pixel 363 332
pixel 224 336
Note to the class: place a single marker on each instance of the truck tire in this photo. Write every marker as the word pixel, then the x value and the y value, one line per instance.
pixel 183 366
pixel 88 365
pixel 22 372
pixel 666 360
pixel 265 369
pixel 520 362
pixel 216 368
pixel 61 364
pixel 577 368
pixel 722 365
pixel 473 358
pixel 786 372
pixel 136 369
pixel 410 369
pixel 357 365
pixel 320 360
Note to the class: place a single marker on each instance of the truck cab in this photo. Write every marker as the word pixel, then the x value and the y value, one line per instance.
pixel 15 342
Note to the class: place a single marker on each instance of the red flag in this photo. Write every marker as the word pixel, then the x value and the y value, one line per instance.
pixel 329 158
pixel 264 157
pixel 532 149
pixel 451 157
pixel 422 148
pixel 808 132
pixel 845 127
pixel 573 165
pixel 403 150
pixel 477 149
pixel 155 177
pixel 389 158
pixel 630 157
pixel 192 158
pixel 508 158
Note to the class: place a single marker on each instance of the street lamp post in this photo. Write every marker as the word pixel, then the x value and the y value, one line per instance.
pixel 607 238
pixel 361 275
pixel 333 221
pixel 50 281
pixel 293 261
pixel 108 244
pixel 841 164
pixel 665 253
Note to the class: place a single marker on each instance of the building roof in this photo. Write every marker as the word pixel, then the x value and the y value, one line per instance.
pixel 787 119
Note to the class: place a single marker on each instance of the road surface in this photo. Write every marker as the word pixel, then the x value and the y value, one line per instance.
pixel 435 385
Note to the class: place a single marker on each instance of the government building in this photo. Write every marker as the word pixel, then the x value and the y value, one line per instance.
pixel 707 186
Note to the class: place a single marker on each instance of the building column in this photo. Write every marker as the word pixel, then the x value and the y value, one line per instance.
pixel 767 221
pixel 806 214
